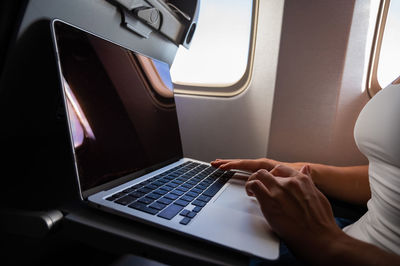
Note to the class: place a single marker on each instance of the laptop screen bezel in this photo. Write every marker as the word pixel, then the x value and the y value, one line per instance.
pixel 84 194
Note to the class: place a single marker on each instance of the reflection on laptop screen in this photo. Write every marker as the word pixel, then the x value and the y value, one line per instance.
pixel 121 111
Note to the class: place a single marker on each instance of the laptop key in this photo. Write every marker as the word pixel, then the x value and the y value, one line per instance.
pixel 137 194
pixel 201 187
pixel 119 194
pixel 187 198
pixel 214 188
pixel 111 198
pixel 144 190
pixel 153 196
pixel 158 183
pixel 196 209
pixel 196 190
pixel 151 187
pixel 158 206
pixel 125 200
pixel 145 200
pixel 204 198
pixel 184 212
pixel 192 194
pixel 177 192
pixel 142 207
pixel 191 214
pixel 163 180
pixel 204 184
pixel 181 202
pixel 172 184
pixel 171 196
pixel 191 183
pixel 170 212
pixel 161 191
pixel 184 189
pixel 185 221
pixel 167 188
pixel 199 203
pixel 187 185
pixel 164 200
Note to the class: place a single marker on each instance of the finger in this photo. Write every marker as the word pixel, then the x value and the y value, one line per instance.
pixel 284 171
pixel 265 177
pixel 218 162
pixel 257 189
pixel 245 165
pixel 241 176
pixel 249 191
pixel 222 160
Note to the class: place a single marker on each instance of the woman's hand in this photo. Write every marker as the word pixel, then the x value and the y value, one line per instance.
pixel 302 216
pixel 245 164
pixel 295 209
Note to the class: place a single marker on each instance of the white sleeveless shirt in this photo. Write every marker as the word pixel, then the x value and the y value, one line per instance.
pixel 377 134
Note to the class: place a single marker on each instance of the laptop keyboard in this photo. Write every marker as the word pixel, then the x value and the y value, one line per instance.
pixel 183 190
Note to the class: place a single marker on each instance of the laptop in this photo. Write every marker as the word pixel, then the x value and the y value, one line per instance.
pixel 127 148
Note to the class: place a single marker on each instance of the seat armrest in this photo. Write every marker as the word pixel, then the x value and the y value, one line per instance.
pixel 36 224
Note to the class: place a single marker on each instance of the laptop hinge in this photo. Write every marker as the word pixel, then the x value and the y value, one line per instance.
pixel 143 17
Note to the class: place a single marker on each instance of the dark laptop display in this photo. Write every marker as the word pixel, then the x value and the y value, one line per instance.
pixel 120 122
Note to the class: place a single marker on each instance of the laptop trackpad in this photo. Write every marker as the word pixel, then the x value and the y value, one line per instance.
pixel 234 197
pixel 235 220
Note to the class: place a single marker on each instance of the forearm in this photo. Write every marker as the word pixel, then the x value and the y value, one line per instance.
pixel 350 251
pixel 348 183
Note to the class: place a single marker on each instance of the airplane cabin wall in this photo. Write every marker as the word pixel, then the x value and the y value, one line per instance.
pixel 299 106
pixel 236 127
pixel 320 81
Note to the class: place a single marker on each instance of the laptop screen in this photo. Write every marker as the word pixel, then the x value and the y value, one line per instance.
pixel 120 107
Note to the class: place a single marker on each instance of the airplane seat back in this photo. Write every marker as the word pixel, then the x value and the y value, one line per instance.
pixel 38 170
pixel 11 13
pixel 34 135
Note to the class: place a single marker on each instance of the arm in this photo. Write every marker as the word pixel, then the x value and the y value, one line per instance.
pixel 349 183
pixel 302 216
pixel 350 251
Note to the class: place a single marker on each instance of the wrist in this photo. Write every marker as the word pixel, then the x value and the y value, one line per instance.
pixel 315 174
pixel 331 249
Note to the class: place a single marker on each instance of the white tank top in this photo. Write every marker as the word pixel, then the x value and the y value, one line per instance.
pixel 377 134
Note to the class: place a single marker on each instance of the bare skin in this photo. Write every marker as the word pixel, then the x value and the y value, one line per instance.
pixel 348 183
pixel 302 216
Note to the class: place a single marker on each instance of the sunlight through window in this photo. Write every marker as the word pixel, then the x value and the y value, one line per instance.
pixel 220 47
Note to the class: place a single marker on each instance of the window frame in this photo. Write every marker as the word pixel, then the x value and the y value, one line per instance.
pixel 154 76
pixel 237 87
pixel 372 83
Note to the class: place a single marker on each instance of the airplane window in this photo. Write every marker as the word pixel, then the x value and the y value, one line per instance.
pixel 385 57
pixel 218 58
pixel 159 80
